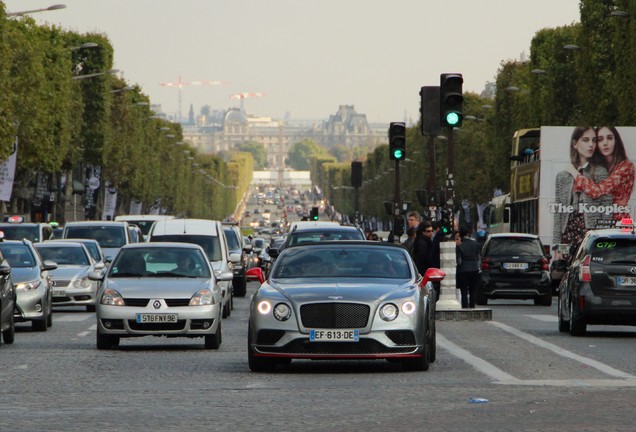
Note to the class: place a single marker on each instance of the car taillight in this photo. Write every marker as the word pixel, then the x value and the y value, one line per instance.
pixel 485 264
pixel 545 264
pixel 584 269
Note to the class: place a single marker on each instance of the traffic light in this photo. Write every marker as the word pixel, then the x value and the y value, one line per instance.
pixel 445 222
pixel 429 110
pixel 451 99
pixel 397 141
pixel 313 215
pixel 356 174
pixel 398 226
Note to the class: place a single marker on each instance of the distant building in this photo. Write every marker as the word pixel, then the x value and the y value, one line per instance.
pixel 222 133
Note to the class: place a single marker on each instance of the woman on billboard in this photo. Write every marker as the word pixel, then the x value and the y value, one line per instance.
pixel 620 181
pixel 570 226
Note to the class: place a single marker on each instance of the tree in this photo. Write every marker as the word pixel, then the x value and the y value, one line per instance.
pixel 301 154
pixel 258 153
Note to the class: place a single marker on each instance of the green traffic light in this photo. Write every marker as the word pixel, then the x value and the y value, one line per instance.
pixel 398 154
pixel 452 118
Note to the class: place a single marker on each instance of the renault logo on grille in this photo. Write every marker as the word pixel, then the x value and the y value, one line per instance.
pixel 335 297
pixel 156 304
pixel 632 270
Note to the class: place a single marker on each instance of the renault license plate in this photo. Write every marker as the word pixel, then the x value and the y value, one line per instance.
pixel 146 318
pixel 334 335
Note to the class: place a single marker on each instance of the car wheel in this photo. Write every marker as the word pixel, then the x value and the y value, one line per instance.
pixel 90 308
pixel 106 341
pixel 564 326
pixel 39 325
pixel 578 327
pixel 258 364
pixel 240 286
pixel 544 300
pixel 213 341
pixel 226 309
pixel 423 362
pixel 8 336
pixel 49 317
pixel 481 299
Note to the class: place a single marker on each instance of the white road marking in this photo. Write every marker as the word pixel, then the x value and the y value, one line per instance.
pixel 501 377
pixel 23 367
pixel 90 330
pixel 544 318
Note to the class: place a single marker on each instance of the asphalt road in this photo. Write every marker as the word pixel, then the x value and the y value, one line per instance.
pixel 525 375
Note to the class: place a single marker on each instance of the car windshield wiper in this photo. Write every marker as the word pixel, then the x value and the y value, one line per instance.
pixel 127 274
pixel 623 262
pixel 172 274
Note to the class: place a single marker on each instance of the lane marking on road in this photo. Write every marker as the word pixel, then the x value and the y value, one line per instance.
pixel 601 367
pixel 478 363
pixel 90 330
pixel 72 317
pixel 544 318
pixel 22 367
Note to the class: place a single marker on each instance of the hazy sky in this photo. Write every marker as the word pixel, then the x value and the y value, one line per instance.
pixel 308 56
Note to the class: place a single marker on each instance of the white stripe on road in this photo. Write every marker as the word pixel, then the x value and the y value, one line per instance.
pixel 601 367
pixel 73 317
pixel 90 330
pixel 478 363
pixel 544 318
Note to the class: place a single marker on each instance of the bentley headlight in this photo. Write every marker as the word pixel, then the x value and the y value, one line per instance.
pixel 389 312
pixel 26 286
pixel 282 312
pixel 202 298
pixel 264 307
pixel 112 298
pixel 82 283
pixel 408 307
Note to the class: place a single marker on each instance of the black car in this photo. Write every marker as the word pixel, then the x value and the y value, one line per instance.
pixel 310 231
pixel 235 245
pixel 599 286
pixel 515 266
pixel 7 302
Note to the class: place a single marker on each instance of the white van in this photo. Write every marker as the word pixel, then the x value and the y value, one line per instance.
pixel 210 236
pixel 144 222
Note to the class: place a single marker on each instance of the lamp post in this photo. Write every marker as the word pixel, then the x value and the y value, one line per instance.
pixel 26 12
pixel 84 45
pixel 91 75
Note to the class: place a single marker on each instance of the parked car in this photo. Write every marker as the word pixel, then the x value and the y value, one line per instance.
pixel 515 266
pixel 236 246
pixel 343 300
pixel 210 236
pixel 110 235
pixel 7 302
pixel 159 289
pixel 17 229
pixel 32 281
pixel 599 286
pixel 71 285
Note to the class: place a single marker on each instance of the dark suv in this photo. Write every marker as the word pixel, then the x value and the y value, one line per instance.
pixel 599 286
pixel 515 266
pixel 235 244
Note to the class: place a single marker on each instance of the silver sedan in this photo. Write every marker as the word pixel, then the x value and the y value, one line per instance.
pixel 159 289
pixel 343 300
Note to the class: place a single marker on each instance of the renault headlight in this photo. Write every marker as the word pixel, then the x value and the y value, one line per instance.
pixel 112 297
pixel 26 286
pixel 202 298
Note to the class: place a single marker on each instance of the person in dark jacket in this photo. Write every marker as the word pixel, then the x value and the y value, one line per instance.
pixel 468 255
pixel 423 246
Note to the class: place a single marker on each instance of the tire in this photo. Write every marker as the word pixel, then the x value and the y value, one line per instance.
pixel 544 300
pixel 240 286
pixel 564 326
pixel 213 341
pixel 8 336
pixel 578 326
pixel 481 299
pixel 258 364
pixel 105 342
pixel 433 341
pixel 49 317
pixel 421 363
pixel 39 325
pixel 227 309
pixel 90 308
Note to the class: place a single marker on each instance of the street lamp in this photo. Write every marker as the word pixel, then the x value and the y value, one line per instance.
pixel 50 8
pixel 84 45
pixel 123 89
pixel 620 14
pixel 80 77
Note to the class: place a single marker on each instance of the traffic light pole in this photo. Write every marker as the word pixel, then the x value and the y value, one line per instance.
pixel 397 205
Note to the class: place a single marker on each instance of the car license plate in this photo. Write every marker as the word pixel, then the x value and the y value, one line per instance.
pixel 627 281
pixel 59 293
pixel 156 318
pixel 515 266
pixel 334 335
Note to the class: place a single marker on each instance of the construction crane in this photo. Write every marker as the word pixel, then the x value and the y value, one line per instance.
pixel 245 95
pixel 179 84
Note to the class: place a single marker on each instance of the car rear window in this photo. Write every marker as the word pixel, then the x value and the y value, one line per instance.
pixel 324 235
pixel 614 250
pixel 514 246
pixel 106 236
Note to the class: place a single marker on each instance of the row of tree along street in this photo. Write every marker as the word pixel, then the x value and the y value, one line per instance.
pixel 582 73
pixel 73 120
